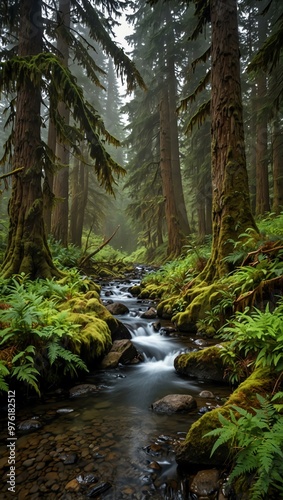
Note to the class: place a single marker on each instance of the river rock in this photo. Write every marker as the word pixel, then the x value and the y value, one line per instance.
pixel 175 403
pixel 122 351
pixel 82 389
pixel 72 485
pixel 205 483
pixel 117 308
pixel 29 425
pixel 206 395
pixel 151 313
pixel 206 364
pixel 120 332
pixel 167 330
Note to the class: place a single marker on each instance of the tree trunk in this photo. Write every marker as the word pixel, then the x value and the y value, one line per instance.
pixel 174 235
pixel 231 213
pixel 262 187
pixel 27 250
pixel 48 197
pixel 79 200
pixel 277 149
pixel 175 153
pixel 59 227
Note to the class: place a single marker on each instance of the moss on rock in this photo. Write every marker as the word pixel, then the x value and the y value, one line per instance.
pixel 92 341
pixel 196 448
pixel 205 364
pixel 200 299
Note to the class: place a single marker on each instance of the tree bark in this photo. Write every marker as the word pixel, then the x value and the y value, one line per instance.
pixel 262 186
pixel 174 234
pixel 79 200
pixel 48 196
pixel 277 149
pixel 231 213
pixel 27 250
pixel 59 226
pixel 175 153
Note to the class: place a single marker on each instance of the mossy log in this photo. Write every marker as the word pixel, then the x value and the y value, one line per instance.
pixel 196 449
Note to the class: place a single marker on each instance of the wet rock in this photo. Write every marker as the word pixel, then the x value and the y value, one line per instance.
pixel 156 326
pixel 97 490
pixel 175 403
pixel 64 410
pixel 122 351
pixel 29 462
pixel 120 331
pixel 167 330
pixel 203 409
pixel 205 483
pixel 69 458
pixel 151 313
pixel 86 479
pixel 117 308
pixel 206 395
pixel 29 425
pixel 72 485
pixel 81 390
pixel 206 364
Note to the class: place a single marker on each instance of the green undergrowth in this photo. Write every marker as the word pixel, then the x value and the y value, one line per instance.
pixel 255 439
pixel 256 279
pixel 43 337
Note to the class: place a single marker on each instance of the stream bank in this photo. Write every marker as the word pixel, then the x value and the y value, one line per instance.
pixel 108 443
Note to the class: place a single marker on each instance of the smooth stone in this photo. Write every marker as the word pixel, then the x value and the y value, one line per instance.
pixel 82 389
pixel 28 462
pixel 175 403
pixel 205 483
pixel 151 313
pixel 29 425
pixel 117 308
pixel 87 479
pixel 64 410
pixel 206 394
pixel 69 458
pixel 72 485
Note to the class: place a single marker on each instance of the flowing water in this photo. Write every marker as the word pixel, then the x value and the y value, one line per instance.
pixel 118 447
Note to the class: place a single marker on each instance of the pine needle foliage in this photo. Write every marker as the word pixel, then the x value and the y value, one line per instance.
pixel 256 441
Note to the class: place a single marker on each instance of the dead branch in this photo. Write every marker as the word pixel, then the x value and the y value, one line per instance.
pixel 16 171
pixel 87 257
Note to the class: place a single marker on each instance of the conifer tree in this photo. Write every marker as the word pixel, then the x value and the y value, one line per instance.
pixel 31 70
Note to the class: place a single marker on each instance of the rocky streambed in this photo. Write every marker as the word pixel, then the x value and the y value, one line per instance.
pixel 106 438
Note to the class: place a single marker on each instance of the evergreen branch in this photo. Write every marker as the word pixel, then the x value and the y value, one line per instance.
pixel 191 98
pixel 199 117
pixel 125 67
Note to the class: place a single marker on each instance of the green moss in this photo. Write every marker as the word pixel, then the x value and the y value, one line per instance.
pixel 93 341
pixel 165 308
pixel 205 364
pixel 151 292
pixel 196 449
pixel 135 290
pixel 200 299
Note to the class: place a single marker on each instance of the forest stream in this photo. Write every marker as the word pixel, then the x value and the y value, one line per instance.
pixel 109 443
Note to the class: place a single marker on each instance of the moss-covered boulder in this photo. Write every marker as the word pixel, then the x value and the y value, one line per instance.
pixel 205 364
pixel 93 339
pixel 195 450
